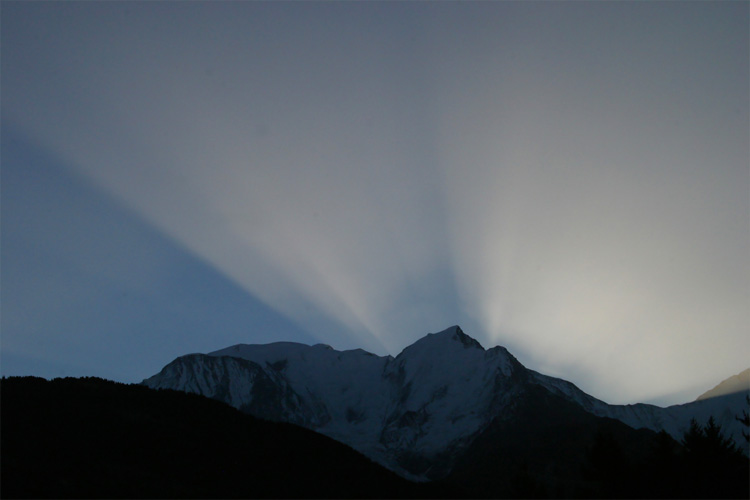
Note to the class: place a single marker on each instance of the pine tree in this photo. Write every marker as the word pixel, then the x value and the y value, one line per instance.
pixel 716 442
pixel 606 465
pixel 714 465
pixel 693 439
pixel 745 420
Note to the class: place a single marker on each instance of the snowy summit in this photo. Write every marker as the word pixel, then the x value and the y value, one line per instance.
pixel 412 413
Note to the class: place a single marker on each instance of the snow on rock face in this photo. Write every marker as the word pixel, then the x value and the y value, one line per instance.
pixel 436 393
pixel 444 385
pixel 429 401
pixel 191 374
pixel 347 386
pixel 675 420
pixel 240 383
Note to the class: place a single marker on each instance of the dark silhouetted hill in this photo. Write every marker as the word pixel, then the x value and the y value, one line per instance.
pixel 92 438
pixel 549 447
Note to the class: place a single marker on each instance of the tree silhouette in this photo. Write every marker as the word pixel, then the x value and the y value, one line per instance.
pixel 745 420
pixel 607 466
pixel 713 464
pixel 661 472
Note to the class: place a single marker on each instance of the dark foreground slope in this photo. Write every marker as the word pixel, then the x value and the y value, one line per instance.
pixel 548 447
pixel 92 438
pixel 95 438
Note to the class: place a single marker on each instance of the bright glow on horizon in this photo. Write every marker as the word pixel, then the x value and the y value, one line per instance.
pixel 590 220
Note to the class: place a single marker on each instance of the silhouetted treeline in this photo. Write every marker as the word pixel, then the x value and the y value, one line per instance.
pixel 704 465
pixel 744 419
pixel 552 448
pixel 92 438
pixel 712 464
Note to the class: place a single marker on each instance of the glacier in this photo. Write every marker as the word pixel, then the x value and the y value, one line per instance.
pixel 412 413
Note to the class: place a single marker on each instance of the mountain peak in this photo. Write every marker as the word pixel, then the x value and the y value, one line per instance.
pixel 447 340
pixel 455 334
pixel 465 339
pixel 431 400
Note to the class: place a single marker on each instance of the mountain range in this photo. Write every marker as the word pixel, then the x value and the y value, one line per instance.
pixel 427 413
pixel 445 418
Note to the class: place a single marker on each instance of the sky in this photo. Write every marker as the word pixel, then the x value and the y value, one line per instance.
pixel 570 180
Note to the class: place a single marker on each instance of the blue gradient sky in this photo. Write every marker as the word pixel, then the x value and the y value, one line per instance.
pixel 569 180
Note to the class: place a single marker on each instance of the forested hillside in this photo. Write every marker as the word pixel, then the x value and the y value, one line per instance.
pixel 92 438
pixel 99 439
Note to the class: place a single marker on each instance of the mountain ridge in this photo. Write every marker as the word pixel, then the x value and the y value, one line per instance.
pixel 412 413
pixel 731 385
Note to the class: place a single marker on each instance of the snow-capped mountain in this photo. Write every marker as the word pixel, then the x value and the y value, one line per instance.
pixel 675 420
pixel 413 413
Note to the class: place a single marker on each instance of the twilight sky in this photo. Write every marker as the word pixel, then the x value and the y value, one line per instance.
pixel 570 180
